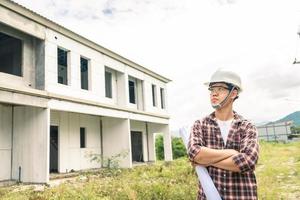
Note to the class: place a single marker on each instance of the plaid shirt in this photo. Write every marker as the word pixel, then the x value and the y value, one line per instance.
pixel 243 138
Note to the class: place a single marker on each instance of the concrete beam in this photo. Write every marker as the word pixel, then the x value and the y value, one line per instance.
pixel 13 19
pixel 103 111
pixel 22 99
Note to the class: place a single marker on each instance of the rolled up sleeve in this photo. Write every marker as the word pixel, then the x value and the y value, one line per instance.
pixel 248 156
pixel 195 140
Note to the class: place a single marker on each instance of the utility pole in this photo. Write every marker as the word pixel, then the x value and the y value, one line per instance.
pixel 297 61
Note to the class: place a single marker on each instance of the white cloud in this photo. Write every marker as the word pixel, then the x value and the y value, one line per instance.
pixel 188 40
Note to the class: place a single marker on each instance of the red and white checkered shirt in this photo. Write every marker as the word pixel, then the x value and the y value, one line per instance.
pixel 242 137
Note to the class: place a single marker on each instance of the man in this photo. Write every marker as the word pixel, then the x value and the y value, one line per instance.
pixel 226 143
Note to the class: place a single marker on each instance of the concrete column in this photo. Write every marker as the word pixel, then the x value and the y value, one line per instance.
pixel 126 91
pixel 151 146
pixel 122 89
pixel 163 129
pixel 39 47
pixel 5 141
pixel 140 94
pixel 167 143
pixel 116 139
pixel 31 144
pixel 63 141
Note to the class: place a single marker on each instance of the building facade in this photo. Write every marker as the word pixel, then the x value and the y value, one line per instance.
pixel 275 131
pixel 64 97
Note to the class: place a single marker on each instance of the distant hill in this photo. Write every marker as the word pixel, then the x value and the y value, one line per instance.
pixel 295 117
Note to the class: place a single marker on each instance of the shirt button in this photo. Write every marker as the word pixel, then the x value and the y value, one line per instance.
pixel 224 175
pixel 224 189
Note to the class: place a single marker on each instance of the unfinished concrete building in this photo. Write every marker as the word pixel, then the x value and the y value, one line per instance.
pixel 63 97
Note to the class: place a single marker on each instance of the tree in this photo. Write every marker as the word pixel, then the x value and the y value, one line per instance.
pixel 295 129
pixel 178 147
pixel 159 147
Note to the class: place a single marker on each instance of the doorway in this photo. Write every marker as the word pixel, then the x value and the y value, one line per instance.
pixel 53 167
pixel 137 146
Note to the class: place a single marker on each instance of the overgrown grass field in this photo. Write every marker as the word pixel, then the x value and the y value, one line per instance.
pixel 278 174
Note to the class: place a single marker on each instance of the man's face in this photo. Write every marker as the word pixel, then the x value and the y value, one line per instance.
pixel 218 92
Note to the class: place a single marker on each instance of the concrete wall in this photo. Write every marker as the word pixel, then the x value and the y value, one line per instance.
pixel 31 144
pixel 5 141
pixel 98 62
pixel 71 156
pixel 30 63
pixel 30 125
pixel 31 141
pixel 148 96
pixel 115 134
pixel 40 66
pixel 116 139
pixel 274 131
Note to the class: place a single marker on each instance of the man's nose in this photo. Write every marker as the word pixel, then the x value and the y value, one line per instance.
pixel 214 93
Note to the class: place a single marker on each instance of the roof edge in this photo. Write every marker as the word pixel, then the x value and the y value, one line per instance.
pixel 68 33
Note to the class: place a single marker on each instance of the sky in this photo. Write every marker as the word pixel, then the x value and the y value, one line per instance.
pixel 187 41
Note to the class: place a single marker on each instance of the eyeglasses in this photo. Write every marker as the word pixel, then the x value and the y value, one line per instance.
pixel 217 89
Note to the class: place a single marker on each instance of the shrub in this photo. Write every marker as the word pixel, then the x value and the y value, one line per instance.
pixel 108 161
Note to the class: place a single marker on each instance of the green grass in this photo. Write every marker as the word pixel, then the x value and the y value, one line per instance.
pixel 278 174
pixel 278 171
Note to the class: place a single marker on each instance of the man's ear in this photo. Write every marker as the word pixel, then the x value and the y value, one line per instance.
pixel 234 94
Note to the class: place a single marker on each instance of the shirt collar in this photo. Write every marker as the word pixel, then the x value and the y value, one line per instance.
pixel 236 117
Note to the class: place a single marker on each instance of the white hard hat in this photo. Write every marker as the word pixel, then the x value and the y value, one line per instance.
pixel 226 76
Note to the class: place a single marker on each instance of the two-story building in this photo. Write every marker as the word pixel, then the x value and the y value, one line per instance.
pixel 64 97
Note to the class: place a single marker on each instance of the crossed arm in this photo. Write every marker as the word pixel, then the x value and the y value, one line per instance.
pixel 227 159
pixel 217 158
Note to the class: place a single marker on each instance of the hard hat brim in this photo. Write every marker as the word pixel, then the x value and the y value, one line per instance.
pixel 208 83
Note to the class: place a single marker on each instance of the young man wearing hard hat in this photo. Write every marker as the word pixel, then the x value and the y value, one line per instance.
pixel 225 142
